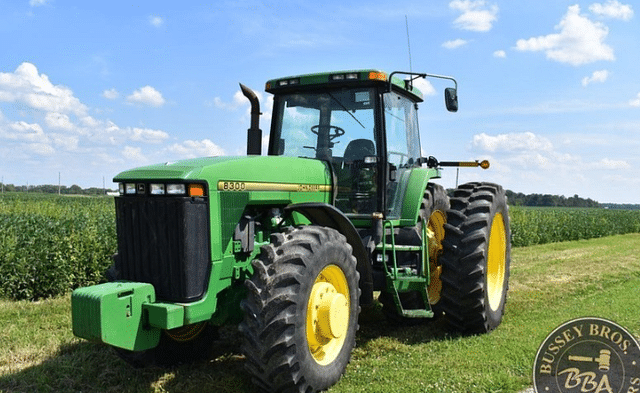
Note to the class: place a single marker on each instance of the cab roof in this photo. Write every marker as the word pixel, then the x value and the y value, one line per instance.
pixel 366 77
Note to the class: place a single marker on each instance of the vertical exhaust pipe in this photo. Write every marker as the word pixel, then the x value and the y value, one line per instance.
pixel 254 134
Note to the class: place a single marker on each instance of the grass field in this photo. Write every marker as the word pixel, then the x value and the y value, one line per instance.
pixel 550 284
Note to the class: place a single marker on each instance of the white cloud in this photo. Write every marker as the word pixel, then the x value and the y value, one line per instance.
pixel 147 95
pixel 110 94
pixel 607 163
pixel 31 137
pixel 59 121
pixel 265 143
pixel 37 3
pixel 526 141
pixel 580 41
pixel 453 44
pixel 42 149
pixel 612 9
pixel 133 154
pixel 67 142
pixel 500 54
pixel 193 149
pixel 597 76
pixel 156 21
pixel 148 135
pixel 27 86
pixel 238 101
pixel 26 132
pixel 476 15
pixel 635 102
pixel 425 87
pixel 89 121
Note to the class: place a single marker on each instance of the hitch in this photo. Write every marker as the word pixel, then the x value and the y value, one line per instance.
pixel 432 162
pixel 484 164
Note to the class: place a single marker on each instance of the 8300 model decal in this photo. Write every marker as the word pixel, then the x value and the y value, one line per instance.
pixel 224 185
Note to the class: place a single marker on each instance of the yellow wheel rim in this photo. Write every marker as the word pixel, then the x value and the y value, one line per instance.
pixel 186 333
pixel 328 315
pixel 435 233
pixel 496 260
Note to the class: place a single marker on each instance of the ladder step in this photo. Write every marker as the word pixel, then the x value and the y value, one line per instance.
pixel 408 285
pixel 390 247
pixel 417 313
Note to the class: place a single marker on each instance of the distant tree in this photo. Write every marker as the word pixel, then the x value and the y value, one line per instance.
pixel 75 189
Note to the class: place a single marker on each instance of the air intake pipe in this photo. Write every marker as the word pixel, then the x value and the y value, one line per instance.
pixel 254 134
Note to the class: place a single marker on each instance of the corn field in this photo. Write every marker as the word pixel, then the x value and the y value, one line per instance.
pixel 530 226
pixel 51 244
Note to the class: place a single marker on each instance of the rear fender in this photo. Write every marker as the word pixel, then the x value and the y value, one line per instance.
pixel 417 183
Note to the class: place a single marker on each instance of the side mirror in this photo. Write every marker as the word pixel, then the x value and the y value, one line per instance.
pixel 451 99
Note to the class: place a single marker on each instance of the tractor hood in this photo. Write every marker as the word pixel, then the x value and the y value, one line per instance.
pixel 247 170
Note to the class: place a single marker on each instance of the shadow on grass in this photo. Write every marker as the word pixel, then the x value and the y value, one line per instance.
pixel 87 367
pixel 374 325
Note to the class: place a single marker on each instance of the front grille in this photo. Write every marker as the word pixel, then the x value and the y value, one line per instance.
pixel 164 242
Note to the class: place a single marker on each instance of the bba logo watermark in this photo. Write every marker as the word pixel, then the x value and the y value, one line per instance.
pixel 588 355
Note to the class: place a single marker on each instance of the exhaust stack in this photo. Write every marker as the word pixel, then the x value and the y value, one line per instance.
pixel 254 133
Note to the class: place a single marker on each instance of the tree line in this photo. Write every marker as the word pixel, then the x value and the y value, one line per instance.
pixel 513 198
pixel 53 189
pixel 547 200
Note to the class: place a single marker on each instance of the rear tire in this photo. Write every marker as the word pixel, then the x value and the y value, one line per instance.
pixel 301 312
pixel 476 258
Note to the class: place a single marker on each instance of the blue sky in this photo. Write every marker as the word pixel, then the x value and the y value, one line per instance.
pixel 549 90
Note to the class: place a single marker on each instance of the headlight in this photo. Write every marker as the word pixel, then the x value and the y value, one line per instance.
pixel 176 189
pixel 157 189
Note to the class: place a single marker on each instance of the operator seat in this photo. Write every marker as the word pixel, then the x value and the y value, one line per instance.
pixel 356 180
pixel 358 149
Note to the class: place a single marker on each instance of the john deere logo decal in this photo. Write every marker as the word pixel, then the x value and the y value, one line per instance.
pixel 588 355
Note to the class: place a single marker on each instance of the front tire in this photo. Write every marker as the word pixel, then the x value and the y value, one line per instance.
pixel 476 258
pixel 301 312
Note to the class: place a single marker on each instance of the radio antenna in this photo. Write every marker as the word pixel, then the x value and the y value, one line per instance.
pixel 406 21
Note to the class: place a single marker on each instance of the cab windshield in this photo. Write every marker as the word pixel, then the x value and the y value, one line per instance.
pixel 322 125
pixel 337 126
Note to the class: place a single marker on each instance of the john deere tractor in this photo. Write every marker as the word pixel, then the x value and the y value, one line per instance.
pixel 290 245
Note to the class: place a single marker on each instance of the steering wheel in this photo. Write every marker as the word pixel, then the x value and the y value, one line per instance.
pixel 334 131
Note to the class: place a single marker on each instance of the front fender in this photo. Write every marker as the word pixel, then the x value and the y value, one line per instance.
pixel 328 216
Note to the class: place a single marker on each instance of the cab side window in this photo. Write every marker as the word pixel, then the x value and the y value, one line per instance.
pixel 403 147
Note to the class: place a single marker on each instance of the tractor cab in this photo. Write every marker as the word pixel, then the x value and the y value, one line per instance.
pixel 362 124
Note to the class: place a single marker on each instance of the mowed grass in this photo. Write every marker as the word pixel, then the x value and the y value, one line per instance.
pixel 549 284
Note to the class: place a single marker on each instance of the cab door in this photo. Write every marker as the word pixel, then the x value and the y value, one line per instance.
pixel 402 148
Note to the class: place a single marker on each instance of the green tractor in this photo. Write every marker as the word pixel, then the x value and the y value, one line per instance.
pixel 291 245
